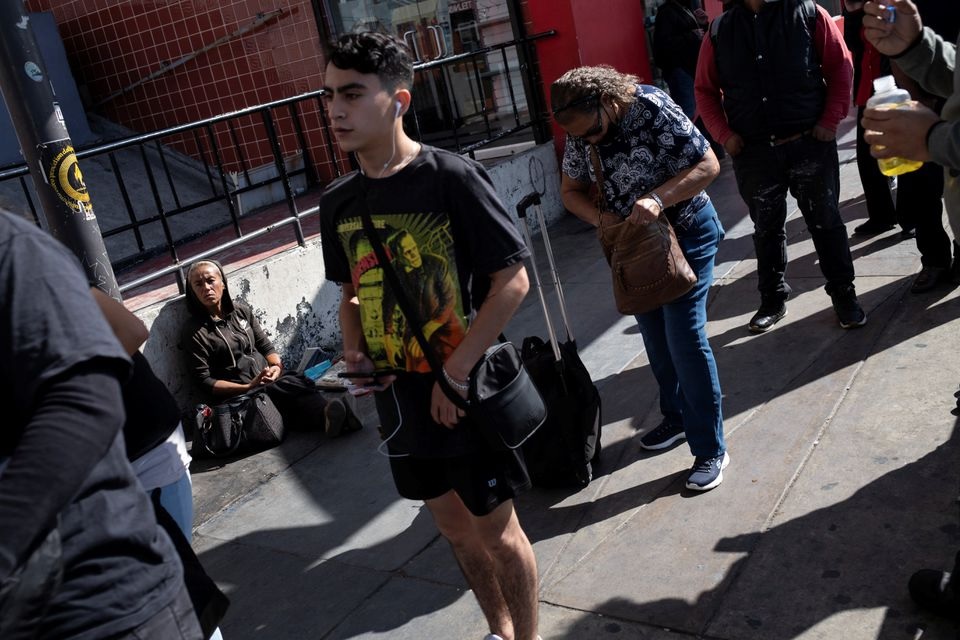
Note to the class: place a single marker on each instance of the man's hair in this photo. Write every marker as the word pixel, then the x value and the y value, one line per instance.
pixel 578 90
pixel 372 52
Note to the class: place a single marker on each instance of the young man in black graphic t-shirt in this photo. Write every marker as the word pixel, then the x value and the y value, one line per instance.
pixel 455 249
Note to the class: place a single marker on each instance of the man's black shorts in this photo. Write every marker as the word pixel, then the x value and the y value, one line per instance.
pixel 483 480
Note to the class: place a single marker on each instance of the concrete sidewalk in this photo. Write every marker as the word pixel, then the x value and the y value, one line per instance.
pixel 843 479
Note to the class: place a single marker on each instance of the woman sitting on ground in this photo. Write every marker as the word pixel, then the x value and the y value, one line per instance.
pixel 229 355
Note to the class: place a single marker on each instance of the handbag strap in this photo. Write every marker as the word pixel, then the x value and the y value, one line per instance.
pixel 598 174
pixel 413 318
pixel 601 194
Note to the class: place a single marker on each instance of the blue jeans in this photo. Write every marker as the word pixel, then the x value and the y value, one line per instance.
pixel 177 499
pixel 680 356
pixel 809 169
pixel 681 90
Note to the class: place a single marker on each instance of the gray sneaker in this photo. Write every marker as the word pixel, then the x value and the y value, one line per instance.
pixel 849 312
pixel 707 473
pixel 662 436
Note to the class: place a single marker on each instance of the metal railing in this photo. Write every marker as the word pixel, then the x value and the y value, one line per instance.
pixel 191 179
pixel 491 75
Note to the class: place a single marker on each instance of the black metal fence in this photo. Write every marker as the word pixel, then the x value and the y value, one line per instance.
pixel 156 192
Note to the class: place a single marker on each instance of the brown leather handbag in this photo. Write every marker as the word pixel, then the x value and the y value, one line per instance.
pixel 646 263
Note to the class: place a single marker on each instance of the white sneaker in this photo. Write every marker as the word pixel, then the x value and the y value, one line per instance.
pixel 492 636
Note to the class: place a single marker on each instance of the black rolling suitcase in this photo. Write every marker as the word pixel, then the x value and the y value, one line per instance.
pixel 562 452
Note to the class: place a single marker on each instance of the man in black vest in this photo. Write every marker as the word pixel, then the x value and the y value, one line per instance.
pixel 773 83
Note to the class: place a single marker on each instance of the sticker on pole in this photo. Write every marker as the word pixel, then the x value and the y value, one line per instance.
pixel 32 69
pixel 64 177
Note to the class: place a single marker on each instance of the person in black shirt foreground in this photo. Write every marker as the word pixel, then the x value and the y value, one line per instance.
pixel 450 211
pixel 157 450
pixel 81 555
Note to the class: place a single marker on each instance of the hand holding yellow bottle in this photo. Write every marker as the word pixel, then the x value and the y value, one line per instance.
pixel 888 96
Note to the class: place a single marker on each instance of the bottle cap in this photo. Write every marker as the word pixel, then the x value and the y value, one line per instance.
pixel 884 84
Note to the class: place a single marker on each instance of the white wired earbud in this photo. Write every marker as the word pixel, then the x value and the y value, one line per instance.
pixel 399 107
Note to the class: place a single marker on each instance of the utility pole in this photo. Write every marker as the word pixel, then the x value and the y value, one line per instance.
pixel 65 208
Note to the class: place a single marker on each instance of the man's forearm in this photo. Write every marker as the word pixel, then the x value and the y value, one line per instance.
pixel 350 326
pixel 227 389
pixel 507 290
pixel 690 181
pixel 931 63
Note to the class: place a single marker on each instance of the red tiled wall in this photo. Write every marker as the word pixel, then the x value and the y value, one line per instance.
pixel 113 43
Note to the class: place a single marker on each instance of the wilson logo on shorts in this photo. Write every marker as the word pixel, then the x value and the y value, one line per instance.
pixel 492 482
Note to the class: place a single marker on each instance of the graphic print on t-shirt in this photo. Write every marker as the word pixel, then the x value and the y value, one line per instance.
pixel 420 248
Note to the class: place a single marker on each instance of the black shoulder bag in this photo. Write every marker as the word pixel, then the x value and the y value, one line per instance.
pixel 502 399
pixel 249 422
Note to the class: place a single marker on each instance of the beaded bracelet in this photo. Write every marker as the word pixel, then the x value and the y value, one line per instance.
pixel 653 196
pixel 456 384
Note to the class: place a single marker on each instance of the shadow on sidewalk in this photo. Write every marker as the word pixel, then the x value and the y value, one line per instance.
pixel 801 573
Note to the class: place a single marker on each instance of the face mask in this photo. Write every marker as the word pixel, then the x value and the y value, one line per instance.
pixel 613 131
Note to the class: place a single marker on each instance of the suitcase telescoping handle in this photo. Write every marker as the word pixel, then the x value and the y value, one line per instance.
pixel 533 200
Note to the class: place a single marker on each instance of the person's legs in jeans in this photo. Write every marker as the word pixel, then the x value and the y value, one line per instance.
pixel 813 172
pixel 763 187
pixel 177 499
pixel 681 90
pixel 654 334
pixel 678 350
pixel 685 321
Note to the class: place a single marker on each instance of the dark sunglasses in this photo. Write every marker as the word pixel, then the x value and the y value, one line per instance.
pixel 595 129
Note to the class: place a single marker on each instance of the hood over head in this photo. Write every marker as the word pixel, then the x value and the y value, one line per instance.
pixel 195 305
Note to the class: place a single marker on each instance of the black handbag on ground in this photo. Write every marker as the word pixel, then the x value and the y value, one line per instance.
pixel 502 399
pixel 248 422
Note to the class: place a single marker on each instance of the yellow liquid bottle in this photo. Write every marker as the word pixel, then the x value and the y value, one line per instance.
pixel 887 96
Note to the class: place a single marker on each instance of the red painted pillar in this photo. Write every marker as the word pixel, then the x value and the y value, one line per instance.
pixel 589 35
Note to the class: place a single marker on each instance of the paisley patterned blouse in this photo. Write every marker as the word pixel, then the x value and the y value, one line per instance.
pixel 656 141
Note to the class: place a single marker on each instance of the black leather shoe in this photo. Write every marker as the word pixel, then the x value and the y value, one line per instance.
pixel 909 232
pixel 767 316
pixel 872 228
pixel 928 278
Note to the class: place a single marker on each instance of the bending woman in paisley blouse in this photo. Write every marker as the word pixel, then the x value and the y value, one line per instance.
pixel 654 163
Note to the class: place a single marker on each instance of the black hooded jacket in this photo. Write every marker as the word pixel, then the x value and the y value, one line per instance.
pixel 233 348
pixel 677 36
